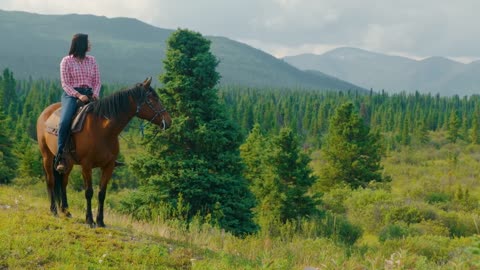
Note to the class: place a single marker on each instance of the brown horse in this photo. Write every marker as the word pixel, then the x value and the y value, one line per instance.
pixel 96 145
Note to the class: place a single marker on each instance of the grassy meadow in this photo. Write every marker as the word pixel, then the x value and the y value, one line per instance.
pixel 427 218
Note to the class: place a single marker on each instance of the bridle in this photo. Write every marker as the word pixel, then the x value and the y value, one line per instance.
pixel 147 101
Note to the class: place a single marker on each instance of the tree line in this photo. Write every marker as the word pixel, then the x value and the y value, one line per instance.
pixel 403 118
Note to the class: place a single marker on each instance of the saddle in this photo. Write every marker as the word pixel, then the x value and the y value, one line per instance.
pixel 52 122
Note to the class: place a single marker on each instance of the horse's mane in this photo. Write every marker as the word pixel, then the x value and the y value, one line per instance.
pixel 118 102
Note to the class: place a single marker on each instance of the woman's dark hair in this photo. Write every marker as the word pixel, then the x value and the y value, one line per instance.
pixel 79 46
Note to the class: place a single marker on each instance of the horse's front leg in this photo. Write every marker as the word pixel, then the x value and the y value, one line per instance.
pixel 87 182
pixel 64 192
pixel 102 193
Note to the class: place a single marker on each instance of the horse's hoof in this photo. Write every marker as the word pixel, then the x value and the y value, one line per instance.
pixel 91 223
pixel 53 210
pixel 66 213
pixel 101 224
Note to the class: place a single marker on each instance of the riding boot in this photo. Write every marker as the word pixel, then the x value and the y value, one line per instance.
pixel 60 163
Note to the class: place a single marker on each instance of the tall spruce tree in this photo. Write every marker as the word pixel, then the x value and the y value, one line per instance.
pixel 453 130
pixel 474 131
pixel 280 178
pixel 7 85
pixel 291 168
pixel 195 163
pixel 256 154
pixel 8 162
pixel 351 152
pixel 421 133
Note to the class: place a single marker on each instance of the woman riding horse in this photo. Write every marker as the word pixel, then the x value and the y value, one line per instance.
pixel 96 145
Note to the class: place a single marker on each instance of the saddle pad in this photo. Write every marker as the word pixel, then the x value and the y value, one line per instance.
pixel 52 124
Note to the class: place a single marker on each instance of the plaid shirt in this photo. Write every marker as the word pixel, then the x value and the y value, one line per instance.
pixel 79 73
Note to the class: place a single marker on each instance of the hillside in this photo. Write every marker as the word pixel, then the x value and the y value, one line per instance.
pixel 394 73
pixel 30 238
pixel 129 50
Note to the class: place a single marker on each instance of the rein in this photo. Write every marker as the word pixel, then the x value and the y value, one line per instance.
pixel 157 113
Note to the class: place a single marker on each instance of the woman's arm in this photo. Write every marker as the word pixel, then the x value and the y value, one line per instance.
pixel 65 78
pixel 96 84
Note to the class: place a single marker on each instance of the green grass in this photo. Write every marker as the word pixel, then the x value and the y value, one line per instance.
pixel 30 238
pixel 440 228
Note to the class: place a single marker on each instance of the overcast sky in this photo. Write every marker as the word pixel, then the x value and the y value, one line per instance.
pixel 413 28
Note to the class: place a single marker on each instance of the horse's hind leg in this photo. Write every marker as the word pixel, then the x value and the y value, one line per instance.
pixel 64 192
pixel 48 168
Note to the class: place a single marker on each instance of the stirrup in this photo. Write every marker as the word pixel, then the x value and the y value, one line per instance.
pixel 119 163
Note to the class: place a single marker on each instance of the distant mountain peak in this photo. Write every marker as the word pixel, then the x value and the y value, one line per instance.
pixel 440 60
pixel 348 53
pixel 394 73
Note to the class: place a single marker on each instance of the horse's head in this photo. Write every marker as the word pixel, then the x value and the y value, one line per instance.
pixel 151 108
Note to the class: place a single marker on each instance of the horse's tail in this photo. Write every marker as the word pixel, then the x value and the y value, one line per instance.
pixel 57 190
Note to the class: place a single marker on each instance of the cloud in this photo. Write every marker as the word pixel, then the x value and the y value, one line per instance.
pixel 279 50
pixel 423 28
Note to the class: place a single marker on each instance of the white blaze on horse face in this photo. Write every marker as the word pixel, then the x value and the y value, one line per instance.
pixel 147 82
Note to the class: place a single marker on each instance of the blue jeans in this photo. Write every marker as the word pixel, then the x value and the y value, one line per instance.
pixel 69 106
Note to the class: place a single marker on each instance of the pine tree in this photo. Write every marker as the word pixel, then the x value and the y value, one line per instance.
pixel 291 168
pixel 352 153
pixel 464 128
pixel 405 134
pixel 8 94
pixel 453 127
pixel 256 154
pixel 197 159
pixel 280 178
pixel 29 158
pixel 474 132
pixel 8 162
pixel 421 133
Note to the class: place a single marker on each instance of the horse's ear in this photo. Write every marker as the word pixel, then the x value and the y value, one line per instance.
pixel 147 82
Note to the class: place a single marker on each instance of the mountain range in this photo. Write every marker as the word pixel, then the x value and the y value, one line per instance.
pixel 128 50
pixel 394 73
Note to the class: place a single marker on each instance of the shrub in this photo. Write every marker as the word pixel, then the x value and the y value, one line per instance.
pixel 408 214
pixel 366 207
pixel 438 249
pixel 347 232
pixel 458 224
pixel 335 198
pixel 429 227
pixel 26 181
pixel 340 229
pixel 393 231
pixel 437 197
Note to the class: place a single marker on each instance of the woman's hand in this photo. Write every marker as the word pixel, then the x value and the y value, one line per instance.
pixel 83 98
